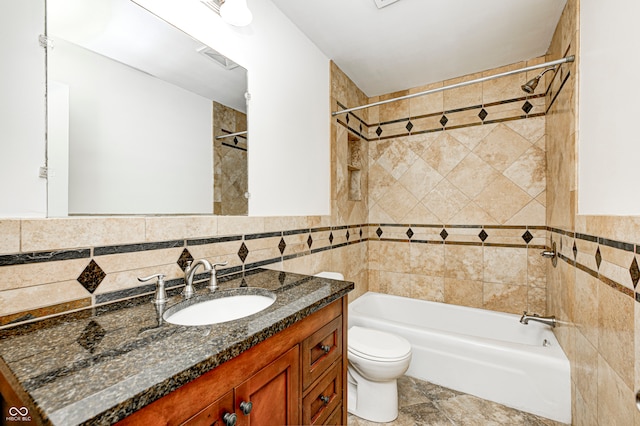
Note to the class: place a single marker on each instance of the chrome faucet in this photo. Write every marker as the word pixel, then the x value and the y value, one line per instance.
pixel 550 321
pixel 190 272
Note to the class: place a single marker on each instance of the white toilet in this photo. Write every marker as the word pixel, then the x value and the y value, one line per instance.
pixel 376 360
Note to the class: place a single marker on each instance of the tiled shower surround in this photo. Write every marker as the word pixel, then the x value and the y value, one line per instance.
pixel 456 182
pixel 453 198
pixel 230 175
pixel 592 289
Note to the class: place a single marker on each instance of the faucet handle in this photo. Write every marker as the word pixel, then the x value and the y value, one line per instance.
pixel 161 295
pixel 213 282
pixel 219 264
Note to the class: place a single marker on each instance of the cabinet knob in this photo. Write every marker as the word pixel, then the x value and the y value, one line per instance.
pixel 230 419
pixel 325 348
pixel 325 399
pixel 246 407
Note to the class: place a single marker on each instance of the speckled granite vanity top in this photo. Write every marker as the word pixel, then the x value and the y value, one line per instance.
pixel 102 364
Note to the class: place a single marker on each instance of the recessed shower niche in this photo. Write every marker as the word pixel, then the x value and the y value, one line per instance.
pixel 354 165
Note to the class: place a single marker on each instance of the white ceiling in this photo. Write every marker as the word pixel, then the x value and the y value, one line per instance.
pixel 415 42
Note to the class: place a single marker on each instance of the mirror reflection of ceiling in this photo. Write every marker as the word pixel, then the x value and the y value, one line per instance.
pixel 107 26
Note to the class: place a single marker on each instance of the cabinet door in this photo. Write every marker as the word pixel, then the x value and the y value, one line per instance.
pixel 272 395
pixel 219 413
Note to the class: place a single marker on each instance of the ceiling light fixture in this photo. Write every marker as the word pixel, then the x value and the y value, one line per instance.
pixel 236 13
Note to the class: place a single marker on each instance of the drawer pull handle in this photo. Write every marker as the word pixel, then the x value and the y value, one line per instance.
pixel 246 407
pixel 230 419
pixel 325 348
pixel 325 399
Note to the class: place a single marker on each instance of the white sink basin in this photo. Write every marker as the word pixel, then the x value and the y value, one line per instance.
pixel 219 307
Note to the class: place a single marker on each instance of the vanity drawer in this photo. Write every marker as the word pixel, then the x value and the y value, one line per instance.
pixel 335 418
pixel 320 350
pixel 324 398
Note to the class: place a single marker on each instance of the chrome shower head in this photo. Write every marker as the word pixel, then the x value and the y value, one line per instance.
pixel 530 86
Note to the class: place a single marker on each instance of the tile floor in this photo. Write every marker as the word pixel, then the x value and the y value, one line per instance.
pixel 423 403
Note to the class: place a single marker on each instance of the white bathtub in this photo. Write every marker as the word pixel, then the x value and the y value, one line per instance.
pixel 475 351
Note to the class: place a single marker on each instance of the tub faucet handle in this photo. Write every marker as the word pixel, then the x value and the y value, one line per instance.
pixel 551 254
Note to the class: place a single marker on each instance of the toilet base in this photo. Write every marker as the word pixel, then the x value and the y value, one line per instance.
pixel 373 401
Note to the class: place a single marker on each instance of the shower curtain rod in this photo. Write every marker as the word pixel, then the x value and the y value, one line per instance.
pixel 455 86
pixel 230 135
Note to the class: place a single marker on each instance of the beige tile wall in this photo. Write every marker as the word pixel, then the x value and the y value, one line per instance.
pixel 600 321
pixel 490 174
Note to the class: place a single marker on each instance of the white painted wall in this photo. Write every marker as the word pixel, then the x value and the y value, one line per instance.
pixel 22 109
pixel 137 145
pixel 57 149
pixel 609 146
pixel 289 111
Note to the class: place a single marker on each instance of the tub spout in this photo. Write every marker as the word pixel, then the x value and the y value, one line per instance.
pixel 550 321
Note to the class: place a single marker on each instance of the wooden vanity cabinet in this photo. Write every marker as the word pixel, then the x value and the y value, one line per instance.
pixel 270 397
pixel 218 413
pixel 294 377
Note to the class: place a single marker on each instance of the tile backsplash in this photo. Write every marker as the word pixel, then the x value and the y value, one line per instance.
pixel 72 274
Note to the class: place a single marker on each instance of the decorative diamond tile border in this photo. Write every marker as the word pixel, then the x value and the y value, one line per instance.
pixel 309 241
pixel 409 126
pixel 92 276
pixel 483 114
pixel 184 259
pixel 575 250
pixel 331 238
pixel 444 120
pixel 635 272
pixel 527 107
pixel 379 131
pixel 347 235
pixel 282 245
pixel 243 252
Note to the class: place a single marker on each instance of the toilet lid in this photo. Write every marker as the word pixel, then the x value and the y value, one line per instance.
pixel 377 344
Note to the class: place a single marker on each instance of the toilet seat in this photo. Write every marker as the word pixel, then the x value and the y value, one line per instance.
pixel 376 345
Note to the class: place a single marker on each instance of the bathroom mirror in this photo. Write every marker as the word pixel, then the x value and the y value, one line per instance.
pixel 137 116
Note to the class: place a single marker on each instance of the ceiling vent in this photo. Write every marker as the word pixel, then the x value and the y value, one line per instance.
pixel 218 58
pixel 384 3
pixel 215 4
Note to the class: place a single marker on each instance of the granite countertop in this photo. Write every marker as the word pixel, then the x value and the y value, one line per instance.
pixel 101 364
